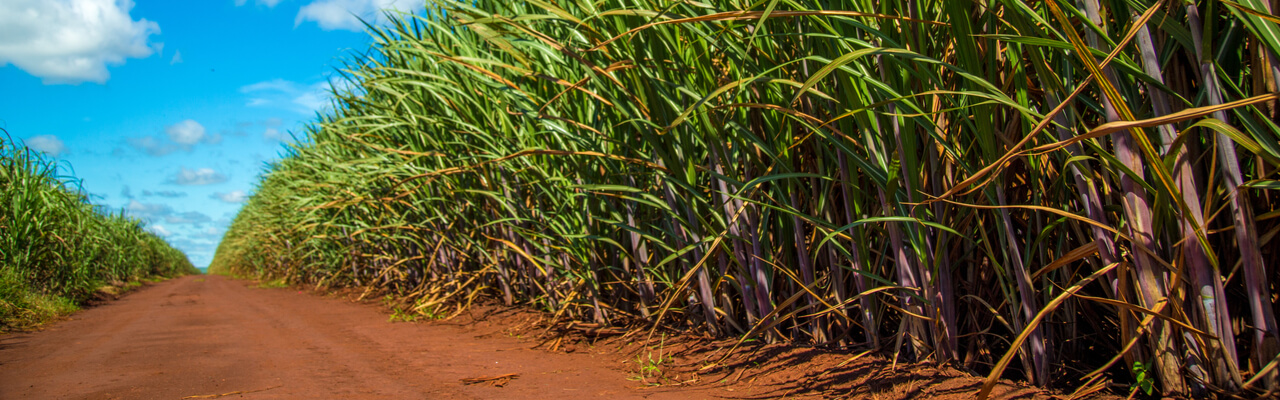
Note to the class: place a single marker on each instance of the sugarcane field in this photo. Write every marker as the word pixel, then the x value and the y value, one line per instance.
pixel 659 199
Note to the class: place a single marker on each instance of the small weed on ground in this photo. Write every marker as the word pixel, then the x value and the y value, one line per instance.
pixel 650 366
pixel 411 314
pixel 273 284
pixel 398 314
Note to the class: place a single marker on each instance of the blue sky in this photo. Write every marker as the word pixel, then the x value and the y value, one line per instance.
pixel 169 109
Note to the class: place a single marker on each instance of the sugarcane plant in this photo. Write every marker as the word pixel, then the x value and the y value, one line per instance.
pixel 1081 186
pixel 57 249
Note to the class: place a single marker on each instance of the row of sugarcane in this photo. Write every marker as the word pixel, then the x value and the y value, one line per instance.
pixel 57 248
pixel 1083 187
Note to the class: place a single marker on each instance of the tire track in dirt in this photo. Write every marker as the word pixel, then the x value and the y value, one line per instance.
pixel 204 335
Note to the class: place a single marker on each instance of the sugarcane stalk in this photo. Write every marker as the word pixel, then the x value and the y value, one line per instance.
pixel 1241 214
pixel 860 268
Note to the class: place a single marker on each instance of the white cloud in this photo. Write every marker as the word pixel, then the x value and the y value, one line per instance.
pixel 147 211
pixel 277 84
pixel 49 144
pixel 177 58
pixel 314 98
pixel 280 93
pixel 346 14
pixel 235 196
pixel 200 251
pixel 72 41
pixel 183 135
pixel 159 230
pixel 271 134
pixel 187 132
pixel 201 176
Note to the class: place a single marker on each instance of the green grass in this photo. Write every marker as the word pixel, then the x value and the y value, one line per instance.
pixel 22 308
pixel 400 315
pixel 58 249
pixel 1019 188
pixel 273 284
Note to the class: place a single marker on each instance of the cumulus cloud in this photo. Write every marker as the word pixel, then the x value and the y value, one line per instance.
pixel 153 213
pixel 184 135
pixel 148 212
pixel 196 249
pixel 188 132
pixel 159 230
pixel 235 196
pixel 49 144
pixel 72 41
pixel 195 177
pixel 346 14
pixel 272 135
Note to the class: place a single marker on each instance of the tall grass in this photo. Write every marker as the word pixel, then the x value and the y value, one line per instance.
pixel 57 248
pixel 1082 187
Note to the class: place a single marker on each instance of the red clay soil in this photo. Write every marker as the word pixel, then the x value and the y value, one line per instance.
pixel 210 337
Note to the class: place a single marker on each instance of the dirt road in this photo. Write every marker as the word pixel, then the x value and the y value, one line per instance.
pixel 209 335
